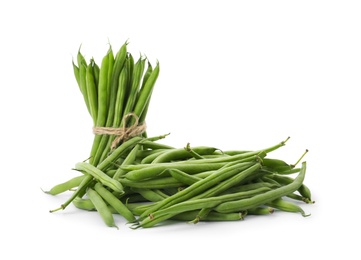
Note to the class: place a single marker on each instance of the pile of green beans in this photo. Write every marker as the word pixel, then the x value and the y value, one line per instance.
pixel 148 182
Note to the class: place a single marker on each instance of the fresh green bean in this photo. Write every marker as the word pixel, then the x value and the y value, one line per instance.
pixel 260 153
pixel 183 177
pixel 159 183
pixel 132 96
pixel 76 74
pixel 102 102
pixel 96 73
pixel 91 90
pixel 182 154
pixel 193 153
pixel 114 202
pixel 146 91
pixel 111 97
pixel 159 169
pixel 100 176
pixel 65 186
pixel 299 198
pixel 260 199
pixel 149 194
pixel 200 186
pixel 288 206
pixel 101 207
pixel 260 211
pixel 229 183
pixel 82 80
pixel 285 180
pixel 154 145
pixel 120 150
pixel 189 205
pixel 128 160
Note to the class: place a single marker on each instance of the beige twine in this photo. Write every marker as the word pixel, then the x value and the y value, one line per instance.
pixel 123 133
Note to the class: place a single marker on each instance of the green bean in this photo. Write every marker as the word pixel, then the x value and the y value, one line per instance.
pixel 81 188
pixel 159 169
pixel 260 211
pixel 159 183
pixel 189 205
pixel 145 92
pixel 114 202
pixel 65 186
pixel 259 153
pixel 183 177
pixel 215 216
pixel 260 199
pixel 285 180
pixel 82 80
pixel 101 207
pixel 92 91
pixel 201 215
pixel 130 68
pixel 200 186
pixel 250 186
pixel 288 206
pixel 154 145
pixel 137 76
pixel 138 208
pixel 76 74
pixel 84 204
pixel 161 193
pixel 96 73
pixel 145 152
pixel 299 198
pixel 212 216
pixel 128 160
pixel 228 183
pixel 182 154
pixel 102 102
pixel 120 150
pixel 121 94
pixel 235 152
pixel 111 97
pixel 146 106
pixel 100 176
pixel 193 153
pixel 87 204
pixel 133 198
pixel 149 194
pixel 150 158
pixel 276 164
pixel 80 58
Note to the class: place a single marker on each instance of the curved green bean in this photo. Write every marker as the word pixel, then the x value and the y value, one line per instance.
pixel 260 199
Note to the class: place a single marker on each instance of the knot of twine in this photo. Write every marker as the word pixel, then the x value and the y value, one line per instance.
pixel 122 133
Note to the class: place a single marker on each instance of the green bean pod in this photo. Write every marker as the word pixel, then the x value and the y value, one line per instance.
pixel 92 91
pixel 200 186
pixel 128 160
pixel 260 199
pixel 183 177
pixel 101 207
pixel 288 206
pixel 149 194
pixel 100 176
pixel 160 169
pixel 65 186
pixel 114 202
pixel 182 154
pixel 210 202
pixel 146 91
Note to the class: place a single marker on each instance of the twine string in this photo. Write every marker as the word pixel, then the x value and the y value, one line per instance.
pixel 122 133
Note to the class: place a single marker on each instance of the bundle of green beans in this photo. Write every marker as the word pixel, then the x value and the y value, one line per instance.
pixel 148 182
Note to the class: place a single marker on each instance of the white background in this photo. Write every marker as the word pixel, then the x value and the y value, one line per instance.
pixel 234 74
